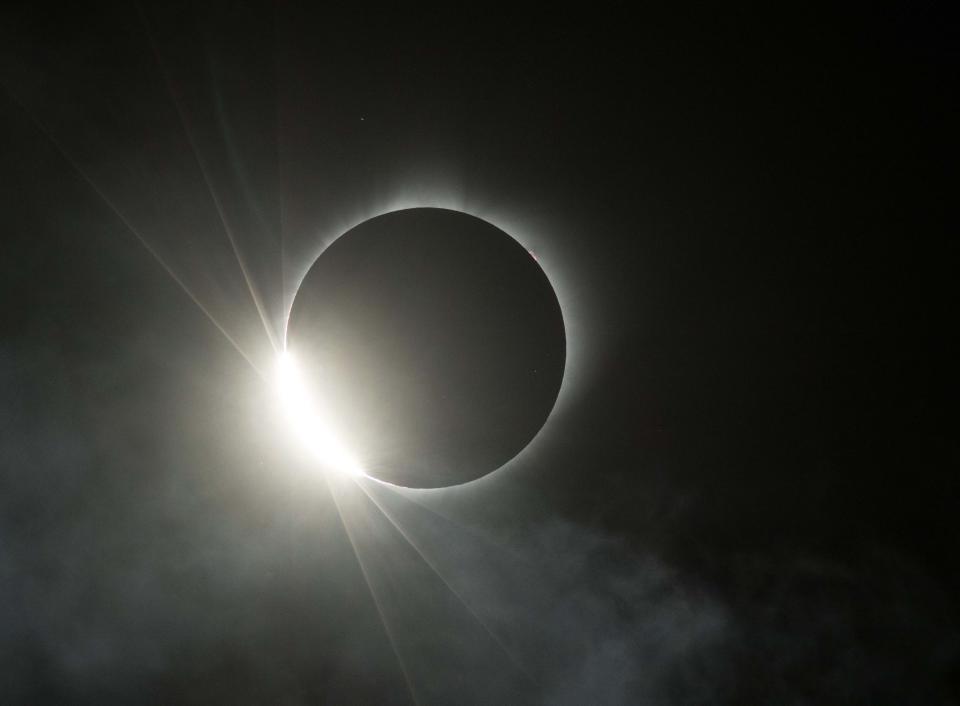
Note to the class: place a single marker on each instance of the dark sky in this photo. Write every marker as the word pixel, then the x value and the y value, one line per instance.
pixel 747 493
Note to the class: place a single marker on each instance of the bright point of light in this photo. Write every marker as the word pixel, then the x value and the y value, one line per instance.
pixel 307 421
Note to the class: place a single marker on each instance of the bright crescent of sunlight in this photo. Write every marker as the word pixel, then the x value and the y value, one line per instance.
pixel 307 421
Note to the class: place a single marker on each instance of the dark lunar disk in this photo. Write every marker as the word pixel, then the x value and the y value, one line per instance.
pixel 435 341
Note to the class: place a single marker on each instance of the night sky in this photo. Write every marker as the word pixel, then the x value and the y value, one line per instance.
pixel 746 492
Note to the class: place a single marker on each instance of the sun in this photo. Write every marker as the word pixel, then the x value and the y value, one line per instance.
pixel 308 421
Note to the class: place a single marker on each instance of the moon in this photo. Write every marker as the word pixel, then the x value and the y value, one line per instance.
pixel 435 341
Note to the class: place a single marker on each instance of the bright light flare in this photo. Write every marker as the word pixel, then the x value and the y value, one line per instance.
pixel 307 421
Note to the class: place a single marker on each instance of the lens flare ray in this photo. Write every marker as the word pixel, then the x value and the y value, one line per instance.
pixel 433 567
pixel 374 595
pixel 135 232
pixel 205 172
